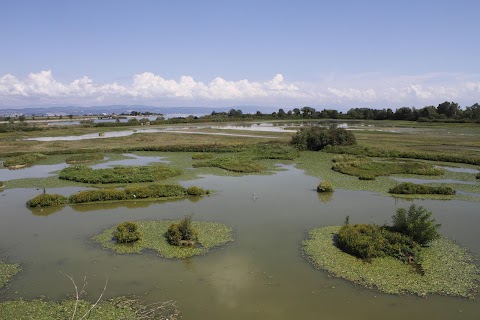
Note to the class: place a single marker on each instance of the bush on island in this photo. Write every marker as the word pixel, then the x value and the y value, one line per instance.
pixel 325 186
pixel 46 200
pixel 182 233
pixel 127 232
pixel 417 224
pixel 317 138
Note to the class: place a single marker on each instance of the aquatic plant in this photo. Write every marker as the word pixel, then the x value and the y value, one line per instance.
pixel 412 188
pixel 7 271
pixel 325 186
pixel 127 232
pixel 47 200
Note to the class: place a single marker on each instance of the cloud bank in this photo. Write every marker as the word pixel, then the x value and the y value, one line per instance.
pixel 371 90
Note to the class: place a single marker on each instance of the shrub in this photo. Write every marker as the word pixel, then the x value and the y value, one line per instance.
pixel 478 176
pixel 366 177
pixel 367 241
pixel 46 200
pixel 2 186
pixel 127 232
pixel 412 188
pixel 416 223
pixel 317 138
pixel 182 232
pixel 97 195
pixel 325 186
pixel 195 191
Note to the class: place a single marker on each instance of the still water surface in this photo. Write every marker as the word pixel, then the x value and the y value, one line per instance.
pixel 262 275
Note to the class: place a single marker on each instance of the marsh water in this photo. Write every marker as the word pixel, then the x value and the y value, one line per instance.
pixel 261 275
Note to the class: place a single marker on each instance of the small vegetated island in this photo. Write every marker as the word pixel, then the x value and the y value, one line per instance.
pixel 120 174
pixel 170 239
pixel 408 257
pixel 23 160
pixel 138 192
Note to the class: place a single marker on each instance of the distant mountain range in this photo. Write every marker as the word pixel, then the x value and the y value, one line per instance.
pixel 118 109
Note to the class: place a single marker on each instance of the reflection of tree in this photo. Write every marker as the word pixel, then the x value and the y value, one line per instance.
pixel 195 198
pixel 325 197
pixel 46 211
pixel 84 207
pixel 189 264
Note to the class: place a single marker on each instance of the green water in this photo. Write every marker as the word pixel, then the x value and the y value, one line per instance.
pixel 262 275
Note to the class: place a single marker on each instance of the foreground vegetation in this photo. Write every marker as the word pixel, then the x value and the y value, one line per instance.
pixel 152 191
pixel 407 257
pixel 7 271
pixel 71 309
pixel 120 174
pixel 210 235
pixel 2 186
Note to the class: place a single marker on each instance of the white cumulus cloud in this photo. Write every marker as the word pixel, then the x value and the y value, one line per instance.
pixel 147 87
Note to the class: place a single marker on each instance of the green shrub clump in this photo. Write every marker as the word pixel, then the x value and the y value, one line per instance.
pixel 412 188
pixel 85 157
pixel 416 223
pixel 325 186
pixel 127 232
pixel 182 233
pixel 195 191
pixel 317 138
pixel 46 200
pixel 368 241
pixel 24 160
pixel 478 176
pixel 2 186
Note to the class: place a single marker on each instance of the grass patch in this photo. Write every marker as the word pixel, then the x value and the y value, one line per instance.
pixel 2 186
pixel 7 271
pixel 210 235
pixel 366 168
pixel 412 188
pixel 447 269
pixel 117 308
pixel 84 157
pixel 24 160
pixel 46 200
pixel 231 163
pixel 120 174
pixel 202 156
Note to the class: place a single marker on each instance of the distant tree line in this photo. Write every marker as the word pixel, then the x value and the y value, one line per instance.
pixel 446 111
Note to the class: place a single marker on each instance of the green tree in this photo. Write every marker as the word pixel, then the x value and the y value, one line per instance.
pixel 416 223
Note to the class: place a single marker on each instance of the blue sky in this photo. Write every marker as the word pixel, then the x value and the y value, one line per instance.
pixel 220 53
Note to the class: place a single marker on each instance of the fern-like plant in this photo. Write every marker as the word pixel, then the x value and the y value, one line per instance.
pixel 416 223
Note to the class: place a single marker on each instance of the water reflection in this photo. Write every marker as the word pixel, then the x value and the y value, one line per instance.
pixel 46 211
pixel 325 197
pixel 37 171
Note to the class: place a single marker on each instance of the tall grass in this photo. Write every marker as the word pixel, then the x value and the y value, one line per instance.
pixel 24 160
pixel 412 188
